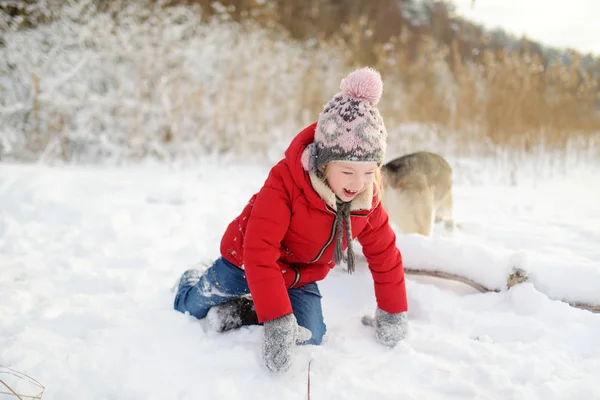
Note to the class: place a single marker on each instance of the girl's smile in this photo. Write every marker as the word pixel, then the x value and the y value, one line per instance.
pixel 348 179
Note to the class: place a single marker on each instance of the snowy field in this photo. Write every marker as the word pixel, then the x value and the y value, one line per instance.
pixel 88 256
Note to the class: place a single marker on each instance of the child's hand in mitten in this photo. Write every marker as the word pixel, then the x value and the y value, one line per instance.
pixel 389 328
pixel 281 335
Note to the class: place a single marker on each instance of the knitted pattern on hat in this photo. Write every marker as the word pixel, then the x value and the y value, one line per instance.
pixel 350 127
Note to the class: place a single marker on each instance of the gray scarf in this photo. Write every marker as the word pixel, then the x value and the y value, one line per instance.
pixel 342 218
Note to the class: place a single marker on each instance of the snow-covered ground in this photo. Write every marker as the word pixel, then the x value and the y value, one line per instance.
pixel 88 256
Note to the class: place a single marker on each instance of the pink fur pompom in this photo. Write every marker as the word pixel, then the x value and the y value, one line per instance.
pixel 364 83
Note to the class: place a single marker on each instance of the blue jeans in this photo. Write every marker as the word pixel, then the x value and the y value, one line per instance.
pixel 223 282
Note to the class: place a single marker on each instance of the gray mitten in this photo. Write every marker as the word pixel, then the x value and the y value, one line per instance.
pixel 281 335
pixel 389 328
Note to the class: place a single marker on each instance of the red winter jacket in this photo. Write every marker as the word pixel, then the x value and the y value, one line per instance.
pixel 285 237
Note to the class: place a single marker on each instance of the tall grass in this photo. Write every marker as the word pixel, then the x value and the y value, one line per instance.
pixel 505 100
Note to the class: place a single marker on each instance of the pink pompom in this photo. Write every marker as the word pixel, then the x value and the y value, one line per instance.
pixel 364 83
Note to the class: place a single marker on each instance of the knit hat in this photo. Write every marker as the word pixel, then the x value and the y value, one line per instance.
pixel 350 127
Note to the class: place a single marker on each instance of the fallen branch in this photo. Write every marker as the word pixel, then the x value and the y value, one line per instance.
pixel 448 276
pixel 517 276
pixel 584 306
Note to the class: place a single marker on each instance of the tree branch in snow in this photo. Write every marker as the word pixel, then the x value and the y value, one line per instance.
pixel 517 276
pixel 584 306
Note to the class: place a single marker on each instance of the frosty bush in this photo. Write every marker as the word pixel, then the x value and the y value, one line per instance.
pixel 157 81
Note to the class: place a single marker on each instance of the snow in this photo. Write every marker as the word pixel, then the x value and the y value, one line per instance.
pixel 88 257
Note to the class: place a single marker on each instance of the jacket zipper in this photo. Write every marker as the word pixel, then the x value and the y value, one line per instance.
pixel 331 236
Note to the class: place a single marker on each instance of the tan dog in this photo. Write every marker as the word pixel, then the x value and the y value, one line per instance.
pixel 418 191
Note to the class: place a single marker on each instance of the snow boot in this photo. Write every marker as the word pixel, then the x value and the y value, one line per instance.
pixel 233 314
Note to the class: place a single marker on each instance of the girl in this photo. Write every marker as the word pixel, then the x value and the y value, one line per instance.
pixel 323 193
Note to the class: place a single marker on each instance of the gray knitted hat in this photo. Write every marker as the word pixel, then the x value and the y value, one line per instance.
pixel 350 127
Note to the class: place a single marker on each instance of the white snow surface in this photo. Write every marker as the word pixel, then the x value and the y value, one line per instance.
pixel 88 257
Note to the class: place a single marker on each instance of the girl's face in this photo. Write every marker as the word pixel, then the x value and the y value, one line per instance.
pixel 348 179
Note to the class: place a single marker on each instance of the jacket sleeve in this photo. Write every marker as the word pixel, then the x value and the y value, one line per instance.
pixel 267 224
pixel 378 241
